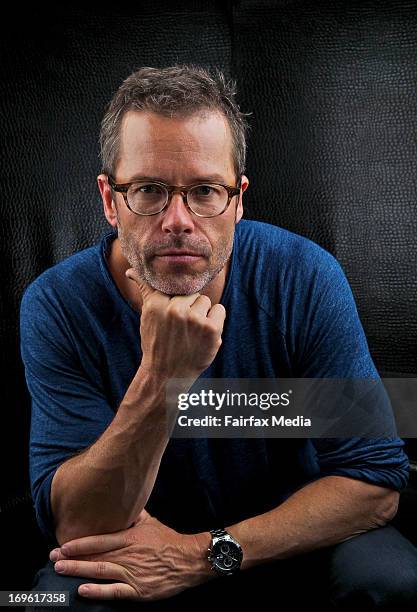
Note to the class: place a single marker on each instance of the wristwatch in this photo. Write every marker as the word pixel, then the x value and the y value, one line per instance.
pixel 225 553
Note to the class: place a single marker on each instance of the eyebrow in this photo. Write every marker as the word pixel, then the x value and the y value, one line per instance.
pixel 212 178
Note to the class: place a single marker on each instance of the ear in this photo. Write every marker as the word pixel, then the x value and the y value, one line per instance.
pixel 109 205
pixel 244 184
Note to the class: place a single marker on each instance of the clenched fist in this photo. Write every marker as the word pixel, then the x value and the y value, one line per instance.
pixel 180 335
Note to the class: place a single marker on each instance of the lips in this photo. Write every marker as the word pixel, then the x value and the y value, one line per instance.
pixel 177 253
pixel 181 257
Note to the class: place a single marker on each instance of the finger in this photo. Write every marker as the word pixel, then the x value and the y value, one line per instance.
pixel 90 569
pixel 202 305
pixel 56 555
pixel 218 314
pixel 117 590
pixel 94 544
pixel 59 556
pixel 184 301
pixel 146 291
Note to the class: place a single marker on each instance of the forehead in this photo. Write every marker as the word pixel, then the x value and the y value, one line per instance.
pixel 148 139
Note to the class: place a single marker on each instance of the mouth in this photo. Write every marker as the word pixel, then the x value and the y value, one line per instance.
pixel 178 256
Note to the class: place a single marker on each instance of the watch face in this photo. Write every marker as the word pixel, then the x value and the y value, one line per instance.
pixel 226 556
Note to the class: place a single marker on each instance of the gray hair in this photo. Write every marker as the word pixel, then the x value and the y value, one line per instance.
pixel 178 90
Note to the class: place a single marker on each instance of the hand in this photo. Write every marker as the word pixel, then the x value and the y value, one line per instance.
pixel 180 335
pixel 149 561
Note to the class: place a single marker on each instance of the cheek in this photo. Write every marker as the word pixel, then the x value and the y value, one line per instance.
pixel 222 238
pixel 137 230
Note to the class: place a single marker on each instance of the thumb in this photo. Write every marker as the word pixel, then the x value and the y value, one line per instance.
pixel 144 289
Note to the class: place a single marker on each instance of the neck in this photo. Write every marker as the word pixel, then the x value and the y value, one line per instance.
pixel 118 265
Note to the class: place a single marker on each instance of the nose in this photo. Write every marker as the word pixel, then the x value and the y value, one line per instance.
pixel 177 218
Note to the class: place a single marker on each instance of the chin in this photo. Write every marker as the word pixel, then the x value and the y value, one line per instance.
pixel 171 286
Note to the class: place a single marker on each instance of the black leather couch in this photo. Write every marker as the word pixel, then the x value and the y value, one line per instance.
pixel 332 156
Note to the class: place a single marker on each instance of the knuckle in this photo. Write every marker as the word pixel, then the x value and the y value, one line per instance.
pixel 175 312
pixel 194 318
pixel 149 310
pixel 101 541
pixel 211 329
pixel 205 299
pixel 72 567
pixel 101 568
pixel 118 593
pixel 219 310
pixel 128 539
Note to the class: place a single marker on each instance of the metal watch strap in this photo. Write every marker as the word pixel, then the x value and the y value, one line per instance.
pixel 218 533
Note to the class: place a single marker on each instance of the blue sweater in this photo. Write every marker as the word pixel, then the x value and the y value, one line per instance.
pixel 290 313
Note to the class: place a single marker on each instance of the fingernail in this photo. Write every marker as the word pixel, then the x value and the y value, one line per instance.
pixel 54 554
pixel 84 589
pixel 59 567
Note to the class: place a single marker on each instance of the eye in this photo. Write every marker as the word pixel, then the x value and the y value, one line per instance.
pixel 204 190
pixel 150 188
pixel 142 189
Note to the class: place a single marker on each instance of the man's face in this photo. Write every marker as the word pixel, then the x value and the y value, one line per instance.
pixel 176 151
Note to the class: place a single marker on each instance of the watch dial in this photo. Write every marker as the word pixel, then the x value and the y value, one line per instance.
pixel 227 556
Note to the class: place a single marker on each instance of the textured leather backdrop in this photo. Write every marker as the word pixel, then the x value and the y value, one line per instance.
pixel 333 150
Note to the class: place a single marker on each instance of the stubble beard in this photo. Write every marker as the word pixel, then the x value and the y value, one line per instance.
pixel 179 282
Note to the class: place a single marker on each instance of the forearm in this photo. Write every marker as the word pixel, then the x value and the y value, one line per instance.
pixel 104 488
pixel 323 513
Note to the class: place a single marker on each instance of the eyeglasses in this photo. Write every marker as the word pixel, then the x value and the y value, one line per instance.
pixel 150 198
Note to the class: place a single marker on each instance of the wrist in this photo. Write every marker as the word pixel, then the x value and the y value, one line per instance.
pixel 151 375
pixel 169 371
pixel 199 544
pixel 239 534
pixel 161 379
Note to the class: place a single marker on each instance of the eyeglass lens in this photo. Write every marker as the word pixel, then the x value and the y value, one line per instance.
pixel 148 198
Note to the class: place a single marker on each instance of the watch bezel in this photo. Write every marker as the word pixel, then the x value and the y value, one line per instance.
pixel 216 564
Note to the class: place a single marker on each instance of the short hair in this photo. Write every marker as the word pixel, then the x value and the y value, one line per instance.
pixel 179 90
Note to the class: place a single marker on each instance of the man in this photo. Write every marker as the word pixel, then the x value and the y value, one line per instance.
pixel 185 289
